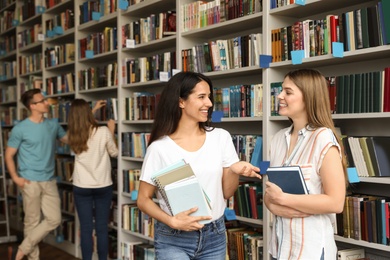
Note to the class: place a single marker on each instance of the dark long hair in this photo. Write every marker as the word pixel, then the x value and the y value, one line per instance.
pixel 81 124
pixel 168 112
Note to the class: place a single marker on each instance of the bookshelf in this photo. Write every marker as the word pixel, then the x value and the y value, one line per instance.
pixel 112 62
pixel 354 61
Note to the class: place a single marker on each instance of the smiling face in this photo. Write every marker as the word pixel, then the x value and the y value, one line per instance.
pixel 197 105
pixel 291 103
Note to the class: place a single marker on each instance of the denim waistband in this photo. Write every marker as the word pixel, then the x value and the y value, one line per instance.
pixel 214 223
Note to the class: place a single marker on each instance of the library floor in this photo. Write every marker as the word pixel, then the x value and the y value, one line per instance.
pixel 47 252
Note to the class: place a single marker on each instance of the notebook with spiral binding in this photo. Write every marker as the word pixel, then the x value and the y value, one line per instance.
pixel 175 173
pixel 170 174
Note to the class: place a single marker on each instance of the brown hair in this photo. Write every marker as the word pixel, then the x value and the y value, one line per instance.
pixel 81 125
pixel 314 88
pixel 28 95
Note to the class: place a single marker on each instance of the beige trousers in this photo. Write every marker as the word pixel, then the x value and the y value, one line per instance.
pixel 39 197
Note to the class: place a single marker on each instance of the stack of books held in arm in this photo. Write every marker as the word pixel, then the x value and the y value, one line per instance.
pixel 181 190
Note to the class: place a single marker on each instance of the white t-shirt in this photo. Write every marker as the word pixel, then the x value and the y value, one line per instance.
pixel 92 168
pixel 304 238
pixel 207 163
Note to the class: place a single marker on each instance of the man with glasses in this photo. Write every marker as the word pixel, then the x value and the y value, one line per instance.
pixel 33 140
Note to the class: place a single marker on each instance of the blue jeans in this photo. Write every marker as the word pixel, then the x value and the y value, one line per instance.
pixel 93 204
pixel 206 243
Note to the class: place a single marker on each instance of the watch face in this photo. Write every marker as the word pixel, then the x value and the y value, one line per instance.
pixel 172 23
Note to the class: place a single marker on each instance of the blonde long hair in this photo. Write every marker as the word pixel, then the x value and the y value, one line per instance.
pixel 315 93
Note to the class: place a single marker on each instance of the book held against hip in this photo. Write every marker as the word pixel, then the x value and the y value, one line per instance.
pixel 185 194
pixel 181 190
pixel 289 178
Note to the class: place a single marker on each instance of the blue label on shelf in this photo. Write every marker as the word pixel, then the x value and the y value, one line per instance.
pixel 297 56
pixel 88 54
pixel 15 22
pixel 230 214
pixel 2 52
pixel 134 195
pixel 40 9
pixel 49 34
pixel 217 116
pixel 300 2
pixel 95 16
pixel 264 61
pixel 263 165
pixel 58 30
pixel 352 175
pixel 60 238
pixel 338 49
pixel 123 5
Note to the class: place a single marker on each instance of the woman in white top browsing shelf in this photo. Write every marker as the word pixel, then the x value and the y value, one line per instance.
pixel 303 224
pixel 181 131
pixel 92 183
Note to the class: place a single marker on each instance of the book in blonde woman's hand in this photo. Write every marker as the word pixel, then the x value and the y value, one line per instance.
pixel 289 178
pixel 186 194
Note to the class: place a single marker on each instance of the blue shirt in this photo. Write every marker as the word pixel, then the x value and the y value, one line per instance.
pixel 36 144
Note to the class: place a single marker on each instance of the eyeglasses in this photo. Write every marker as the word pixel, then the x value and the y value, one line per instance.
pixel 41 101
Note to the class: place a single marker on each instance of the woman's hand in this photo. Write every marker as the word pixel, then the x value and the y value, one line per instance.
pixel 99 104
pixel 245 169
pixel 183 220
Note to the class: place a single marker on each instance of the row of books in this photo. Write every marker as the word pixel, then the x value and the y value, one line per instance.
pixel 65 20
pixel 59 54
pixel 134 144
pixel 28 9
pixel 360 93
pixel 280 3
pixel 31 63
pixel 369 155
pixel 131 180
pixel 7 69
pixel 361 28
pixel 244 243
pixel 64 168
pixel 144 69
pixel 98 43
pixel 34 81
pixel 29 36
pixel 101 7
pixel 8 44
pixel 8 20
pixel 201 14
pixel 8 116
pixel 58 108
pixel 135 220
pixel 245 146
pixel 67 200
pixel 63 83
pixel 137 250
pixel 140 106
pixel 98 76
pixel 66 230
pixel 223 54
pixel 108 111
pixel 151 28
pixel 239 100
pixel 248 200
pixel 365 218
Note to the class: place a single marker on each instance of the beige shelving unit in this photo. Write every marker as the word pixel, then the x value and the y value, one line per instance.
pixel 358 61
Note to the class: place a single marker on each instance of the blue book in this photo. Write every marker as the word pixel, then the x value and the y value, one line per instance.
pixel 289 178
pixel 186 194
